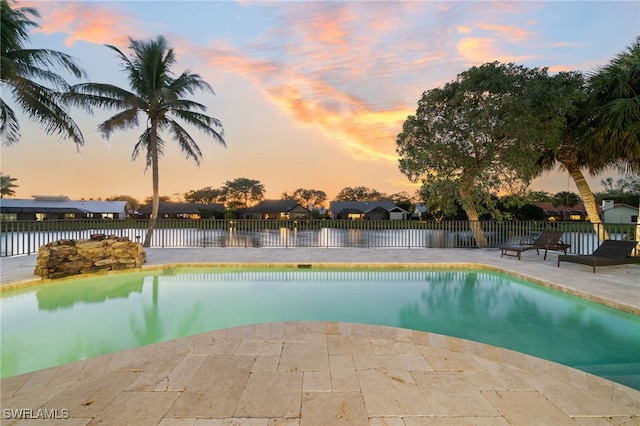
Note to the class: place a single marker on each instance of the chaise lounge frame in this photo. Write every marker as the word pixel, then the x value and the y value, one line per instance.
pixel 547 240
pixel 610 252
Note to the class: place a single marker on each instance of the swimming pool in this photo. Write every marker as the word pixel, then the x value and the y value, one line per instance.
pixel 61 322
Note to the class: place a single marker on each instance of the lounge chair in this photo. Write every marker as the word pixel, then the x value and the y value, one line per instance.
pixel 547 240
pixel 610 252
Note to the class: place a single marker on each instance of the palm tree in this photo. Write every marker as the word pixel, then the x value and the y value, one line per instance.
pixel 18 69
pixel 605 132
pixel 7 185
pixel 157 94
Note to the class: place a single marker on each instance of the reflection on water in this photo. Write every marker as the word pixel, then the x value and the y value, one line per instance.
pixel 70 320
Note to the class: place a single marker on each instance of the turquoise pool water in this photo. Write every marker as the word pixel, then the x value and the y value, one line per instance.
pixel 66 321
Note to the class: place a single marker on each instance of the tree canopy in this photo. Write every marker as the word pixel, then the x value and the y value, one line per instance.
pixel 242 192
pixel 604 130
pixel 24 72
pixel 360 193
pixel 7 185
pixel 310 198
pixel 483 133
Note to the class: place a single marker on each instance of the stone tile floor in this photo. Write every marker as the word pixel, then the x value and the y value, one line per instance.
pixel 324 373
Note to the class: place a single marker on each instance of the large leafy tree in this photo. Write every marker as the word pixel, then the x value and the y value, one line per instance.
pixel 311 198
pixel 242 192
pixel 483 133
pixel 7 185
pixel 605 131
pixel 158 95
pixel 206 195
pixel 24 72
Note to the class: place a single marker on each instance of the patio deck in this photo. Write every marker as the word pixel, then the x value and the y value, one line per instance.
pixel 324 373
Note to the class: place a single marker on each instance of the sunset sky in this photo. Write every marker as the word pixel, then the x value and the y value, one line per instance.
pixel 311 94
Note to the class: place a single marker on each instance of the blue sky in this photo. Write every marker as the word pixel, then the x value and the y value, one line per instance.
pixel 311 94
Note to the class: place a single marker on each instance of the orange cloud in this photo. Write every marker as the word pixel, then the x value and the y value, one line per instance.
pixel 513 34
pixel 344 119
pixel 477 51
pixel 86 22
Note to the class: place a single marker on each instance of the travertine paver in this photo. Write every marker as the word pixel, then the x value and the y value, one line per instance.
pixel 527 407
pixel 446 389
pixel 343 374
pixel 391 393
pixel 136 408
pixel 216 388
pixel 304 356
pixel 271 394
pixel 334 408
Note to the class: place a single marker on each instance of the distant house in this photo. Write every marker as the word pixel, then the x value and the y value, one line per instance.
pixel 367 210
pixel 275 209
pixel 60 207
pixel 560 213
pixel 612 212
pixel 419 211
pixel 169 210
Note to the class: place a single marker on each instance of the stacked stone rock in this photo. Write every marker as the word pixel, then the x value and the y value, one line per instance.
pixel 99 253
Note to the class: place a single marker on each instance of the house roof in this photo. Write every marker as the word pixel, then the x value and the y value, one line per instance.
pixel 167 207
pixel 621 206
pixel 60 205
pixel 273 206
pixel 360 206
pixel 549 208
pixel 419 208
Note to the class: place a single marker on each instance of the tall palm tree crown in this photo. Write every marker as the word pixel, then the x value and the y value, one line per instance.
pixel 158 96
pixel 604 132
pixel 20 67
pixel 7 185
pixel 615 119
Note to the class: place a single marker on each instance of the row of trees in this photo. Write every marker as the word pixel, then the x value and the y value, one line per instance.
pixel 156 94
pixel 498 126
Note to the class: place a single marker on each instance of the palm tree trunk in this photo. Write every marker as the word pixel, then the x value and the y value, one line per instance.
pixel 155 206
pixel 473 217
pixel 638 232
pixel 587 198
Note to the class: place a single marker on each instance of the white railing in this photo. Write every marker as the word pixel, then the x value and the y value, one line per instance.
pixel 24 237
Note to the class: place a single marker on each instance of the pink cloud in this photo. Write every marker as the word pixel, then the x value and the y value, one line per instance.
pixel 514 34
pixel 86 22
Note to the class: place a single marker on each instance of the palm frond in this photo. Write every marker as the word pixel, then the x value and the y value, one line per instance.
pixel 143 145
pixel 204 123
pixel 93 95
pixel 9 126
pixel 185 141
pixel 30 61
pixel 20 66
pixel 123 120
pixel 46 107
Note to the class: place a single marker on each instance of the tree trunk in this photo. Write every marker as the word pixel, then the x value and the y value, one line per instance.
pixel 473 217
pixel 153 146
pixel 587 198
